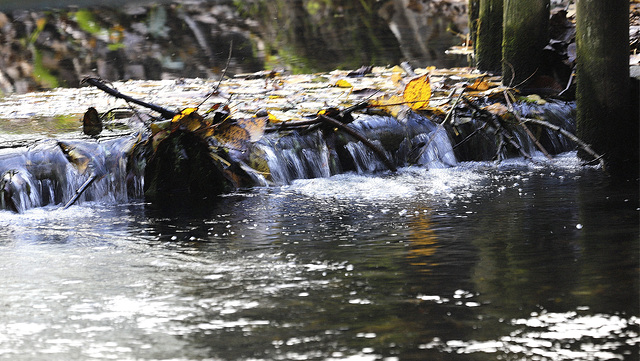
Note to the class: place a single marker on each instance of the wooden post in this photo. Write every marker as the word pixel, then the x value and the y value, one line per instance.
pixel 525 36
pixel 602 92
pixel 489 36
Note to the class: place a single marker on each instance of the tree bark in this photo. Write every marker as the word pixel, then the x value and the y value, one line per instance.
pixel 474 13
pixel 602 93
pixel 525 35
pixel 489 36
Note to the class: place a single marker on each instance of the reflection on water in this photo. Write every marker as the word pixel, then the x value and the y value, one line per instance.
pixel 475 262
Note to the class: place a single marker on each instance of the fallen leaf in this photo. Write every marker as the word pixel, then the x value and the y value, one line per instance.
pixel 396 78
pixel 188 119
pixel 479 85
pixel 254 127
pixel 498 109
pixel 232 135
pixel 393 105
pixel 417 92
pixel 343 84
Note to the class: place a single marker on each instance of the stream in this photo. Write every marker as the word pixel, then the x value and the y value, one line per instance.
pixel 518 260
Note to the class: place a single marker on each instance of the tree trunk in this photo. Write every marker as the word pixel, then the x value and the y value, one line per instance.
pixel 474 13
pixel 602 93
pixel 524 37
pixel 489 36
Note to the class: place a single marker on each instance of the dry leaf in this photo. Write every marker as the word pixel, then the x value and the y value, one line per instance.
pixel 391 104
pixel 254 126
pixel 498 109
pixel 417 92
pixel 188 119
pixel 232 135
pixel 396 78
pixel 343 84
pixel 479 85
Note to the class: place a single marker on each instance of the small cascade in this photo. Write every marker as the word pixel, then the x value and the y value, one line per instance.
pixel 559 113
pixel 475 139
pixel 43 175
pixel 52 172
pixel 297 156
pixel 414 140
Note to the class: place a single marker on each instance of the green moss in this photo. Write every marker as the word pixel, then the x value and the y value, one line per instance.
pixel 489 36
pixel 87 22
pixel 40 73
pixel 603 87
pixel 524 38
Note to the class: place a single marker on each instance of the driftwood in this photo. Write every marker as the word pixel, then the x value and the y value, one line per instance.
pixel 81 190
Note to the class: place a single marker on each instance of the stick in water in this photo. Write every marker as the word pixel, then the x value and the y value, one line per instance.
pixel 81 190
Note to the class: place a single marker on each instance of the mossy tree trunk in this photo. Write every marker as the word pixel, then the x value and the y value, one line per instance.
pixel 489 36
pixel 525 35
pixel 474 13
pixel 602 93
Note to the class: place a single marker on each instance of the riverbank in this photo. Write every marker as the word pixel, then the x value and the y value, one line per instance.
pixel 59 47
pixel 47 48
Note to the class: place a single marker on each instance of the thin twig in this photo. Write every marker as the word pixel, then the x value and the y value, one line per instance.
pixel 224 73
pixel 524 126
pixel 469 136
pixel 568 82
pixel 98 83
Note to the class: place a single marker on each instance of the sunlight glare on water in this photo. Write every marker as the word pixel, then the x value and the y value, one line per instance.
pixel 406 266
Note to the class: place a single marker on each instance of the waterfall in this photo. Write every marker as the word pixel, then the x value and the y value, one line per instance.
pixel 42 175
pixel 51 172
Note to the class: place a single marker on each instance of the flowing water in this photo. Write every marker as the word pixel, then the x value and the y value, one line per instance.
pixel 444 260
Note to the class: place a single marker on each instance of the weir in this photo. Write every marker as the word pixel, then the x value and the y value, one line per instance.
pixel 51 171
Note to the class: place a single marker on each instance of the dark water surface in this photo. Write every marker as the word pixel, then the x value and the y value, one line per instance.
pixel 522 261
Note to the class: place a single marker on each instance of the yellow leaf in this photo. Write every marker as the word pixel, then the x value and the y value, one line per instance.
pixel 391 104
pixel 183 114
pixel 188 119
pixel 343 84
pixel 417 92
pixel 157 127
